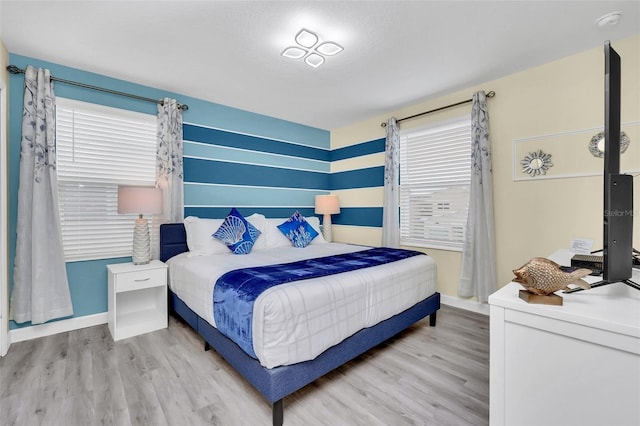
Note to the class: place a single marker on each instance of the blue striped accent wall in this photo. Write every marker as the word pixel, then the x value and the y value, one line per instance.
pixel 358 178
pixel 224 169
pixel 359 216
pixel 358 150
pixel 225 138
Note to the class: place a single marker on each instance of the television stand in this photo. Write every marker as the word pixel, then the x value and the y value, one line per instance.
pixel 598 331
pixel 604 282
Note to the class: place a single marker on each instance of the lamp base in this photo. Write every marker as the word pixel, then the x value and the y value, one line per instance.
pixel 326 228
pixel 141 254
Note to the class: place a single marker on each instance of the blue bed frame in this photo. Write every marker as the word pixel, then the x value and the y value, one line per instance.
pixel 276 383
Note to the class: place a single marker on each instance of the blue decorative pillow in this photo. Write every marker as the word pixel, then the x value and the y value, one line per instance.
pixel 298 230
pixel 237 233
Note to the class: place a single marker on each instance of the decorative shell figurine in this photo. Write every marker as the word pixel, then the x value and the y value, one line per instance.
pixel 543 276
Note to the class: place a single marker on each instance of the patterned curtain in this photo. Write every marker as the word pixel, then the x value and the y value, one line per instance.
pixel 391 206
pixel 478 274
pixel 169 172
pixel 40 287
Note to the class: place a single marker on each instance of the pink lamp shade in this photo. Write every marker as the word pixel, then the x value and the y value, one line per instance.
pixel 139 200
pixel 327 205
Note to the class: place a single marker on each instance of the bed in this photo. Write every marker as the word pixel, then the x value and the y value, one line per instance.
pixel 275 372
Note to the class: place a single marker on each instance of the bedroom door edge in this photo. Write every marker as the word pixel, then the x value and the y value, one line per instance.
pixel 4 231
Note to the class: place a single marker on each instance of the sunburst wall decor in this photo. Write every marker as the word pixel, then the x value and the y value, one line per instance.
pixel 536 163
pixel 596 144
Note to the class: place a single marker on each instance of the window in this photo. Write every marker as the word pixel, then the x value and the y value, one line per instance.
pixel 99 148
pixel 435 171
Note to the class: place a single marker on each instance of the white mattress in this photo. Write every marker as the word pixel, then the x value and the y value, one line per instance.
pixel 297 321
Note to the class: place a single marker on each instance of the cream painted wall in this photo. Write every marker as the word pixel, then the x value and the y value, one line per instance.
pixel 537 216
pixel 4 60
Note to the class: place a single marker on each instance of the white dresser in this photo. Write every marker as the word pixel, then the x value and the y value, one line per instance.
pixel 576 364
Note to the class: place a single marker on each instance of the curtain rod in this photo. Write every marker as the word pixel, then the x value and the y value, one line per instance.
pixel 15 70
pixel 491 94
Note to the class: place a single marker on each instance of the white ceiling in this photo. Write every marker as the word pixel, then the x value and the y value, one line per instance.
pixel 396 53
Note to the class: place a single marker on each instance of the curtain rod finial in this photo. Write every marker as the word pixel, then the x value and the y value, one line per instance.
pixel 14 70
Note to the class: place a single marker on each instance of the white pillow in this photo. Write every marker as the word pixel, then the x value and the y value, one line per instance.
pixel 200 232
pixel 273 237
pixel 259 221
pixel 199 236
pixel 315 222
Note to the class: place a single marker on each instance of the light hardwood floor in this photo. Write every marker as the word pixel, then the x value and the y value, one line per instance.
pixel 424 376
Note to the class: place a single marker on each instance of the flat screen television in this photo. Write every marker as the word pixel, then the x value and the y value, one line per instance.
pixel 618 188
pixel 617 239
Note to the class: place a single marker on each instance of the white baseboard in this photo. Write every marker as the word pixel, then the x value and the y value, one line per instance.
pixel 41 330
pixel 467 304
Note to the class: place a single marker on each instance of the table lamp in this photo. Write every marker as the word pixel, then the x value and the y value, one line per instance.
pixel 327 205
pixel 140 200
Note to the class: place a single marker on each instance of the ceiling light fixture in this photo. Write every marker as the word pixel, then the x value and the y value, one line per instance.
pixel 294 52
pixel 306 38
pixel 329 48
pixel 314 60
pixel 310 48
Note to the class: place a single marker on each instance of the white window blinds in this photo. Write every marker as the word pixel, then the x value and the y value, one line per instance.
pixel 99 148
pixel 435 164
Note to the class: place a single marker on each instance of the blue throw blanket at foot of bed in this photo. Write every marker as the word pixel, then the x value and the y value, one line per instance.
pixel 236 291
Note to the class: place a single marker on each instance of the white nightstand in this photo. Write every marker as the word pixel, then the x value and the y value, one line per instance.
pixel 137 298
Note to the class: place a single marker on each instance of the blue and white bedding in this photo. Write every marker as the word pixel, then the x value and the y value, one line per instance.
pixel 235 292
pixel 297 321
